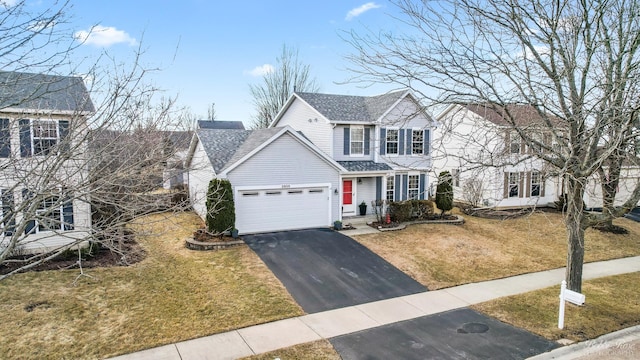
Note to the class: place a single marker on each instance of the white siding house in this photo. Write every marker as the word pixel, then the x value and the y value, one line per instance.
pixel 42 148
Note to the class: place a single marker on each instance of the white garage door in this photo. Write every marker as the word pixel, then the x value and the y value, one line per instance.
pixel 275 209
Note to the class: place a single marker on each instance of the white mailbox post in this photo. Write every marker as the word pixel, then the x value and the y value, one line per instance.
pixel 570 296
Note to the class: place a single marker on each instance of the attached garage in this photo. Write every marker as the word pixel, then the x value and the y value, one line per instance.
pixel 265 209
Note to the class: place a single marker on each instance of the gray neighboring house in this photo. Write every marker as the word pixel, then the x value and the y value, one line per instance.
pixel 43 118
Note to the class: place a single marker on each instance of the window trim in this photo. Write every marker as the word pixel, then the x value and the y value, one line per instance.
pixel 513 137
pixel 393 188
pixel 455 177
pixel 410 189
pixel 32 128
pixel 397 142
pixel 353 128
pixel 515 185
pixel 539 183
pixel 414 131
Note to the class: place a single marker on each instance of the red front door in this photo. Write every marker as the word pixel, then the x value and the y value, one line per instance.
pixel 347 196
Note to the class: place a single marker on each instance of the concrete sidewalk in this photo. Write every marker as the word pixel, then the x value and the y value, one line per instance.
pixel 284 333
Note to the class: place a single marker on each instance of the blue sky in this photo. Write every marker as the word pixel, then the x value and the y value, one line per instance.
pixel 210 51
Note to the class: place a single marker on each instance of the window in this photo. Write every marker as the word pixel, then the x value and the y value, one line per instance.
pixel 514 184
pixel 514 145
pixel 390 188
pixel 535 183
pixel 417 142
pixel 455 177
pixel 413 187
pixel 392 142
pixel 45 136
pixel 536 148
pixel 357 140
pixel 49 214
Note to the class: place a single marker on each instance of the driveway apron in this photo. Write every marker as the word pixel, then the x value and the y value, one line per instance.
pixel 324 270
pixel 457 334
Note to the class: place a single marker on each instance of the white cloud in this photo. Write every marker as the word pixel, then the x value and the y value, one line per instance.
pixel 355 12
pixel 104 36
pixel 8 3
pixel 260 70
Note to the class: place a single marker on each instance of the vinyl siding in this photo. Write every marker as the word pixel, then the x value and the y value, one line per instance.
pixel 403 117
pixel 365 191
pixel 199 175
pixel 318 130
pixel 286 161
pixel 339 145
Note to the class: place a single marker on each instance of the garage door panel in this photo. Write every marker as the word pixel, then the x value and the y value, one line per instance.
pixel 264 210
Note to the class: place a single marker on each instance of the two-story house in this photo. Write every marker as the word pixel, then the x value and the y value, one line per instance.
pixel 322 156
pixel 382 142
pixel 42 147
pixel 489 163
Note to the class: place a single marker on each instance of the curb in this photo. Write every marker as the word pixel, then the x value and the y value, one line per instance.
pixel 589 347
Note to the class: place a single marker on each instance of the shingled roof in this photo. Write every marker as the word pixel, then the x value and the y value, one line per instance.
pixel 218 124
pixel 42 92
pixel 225 147
pixel 521 115
pixel 364 166
pixel 349 108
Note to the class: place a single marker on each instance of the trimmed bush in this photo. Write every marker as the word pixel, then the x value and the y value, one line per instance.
pixel 221 212
pixel 400 210
pixel 444 192
pixel 422 209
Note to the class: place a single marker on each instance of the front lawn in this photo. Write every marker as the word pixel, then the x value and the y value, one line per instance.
pixel 612 303
pixel 174 294
pixel 440 256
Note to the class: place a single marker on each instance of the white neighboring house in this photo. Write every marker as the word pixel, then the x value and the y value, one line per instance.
pixel 42 122
pixel 476 134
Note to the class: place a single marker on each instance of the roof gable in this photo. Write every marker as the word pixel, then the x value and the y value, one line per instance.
pixel 40 92
pixel 227 148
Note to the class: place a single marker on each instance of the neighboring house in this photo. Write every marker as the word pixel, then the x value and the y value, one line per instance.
pixel 489 163
pixel 323 155
pixel 220 125
pixel 42 122
pixel 176 149
pixel 383 143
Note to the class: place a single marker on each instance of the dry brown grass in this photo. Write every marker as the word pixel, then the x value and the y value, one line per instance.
pixel 441 256
pixel 317 350
pixel 175 294
pixel 612 303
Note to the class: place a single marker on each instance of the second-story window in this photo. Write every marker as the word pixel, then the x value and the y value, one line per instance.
pixel 417 142
pixel 392 142
pixel 514 144
pixel 357 140
pixel 45 136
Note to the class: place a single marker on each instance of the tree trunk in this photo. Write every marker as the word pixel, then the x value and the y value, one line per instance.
pixel 574 223
pixel 610 181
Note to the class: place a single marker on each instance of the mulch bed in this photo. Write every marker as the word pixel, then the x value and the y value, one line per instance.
pixel 129 252
pixel 202 235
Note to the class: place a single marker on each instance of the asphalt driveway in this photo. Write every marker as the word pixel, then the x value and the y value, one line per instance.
pixel 457 334
pixel 324 270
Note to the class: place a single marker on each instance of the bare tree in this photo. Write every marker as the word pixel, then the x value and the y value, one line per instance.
pixel 289 75
pixel 576 63
pixel 211 112
pixel 65 160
